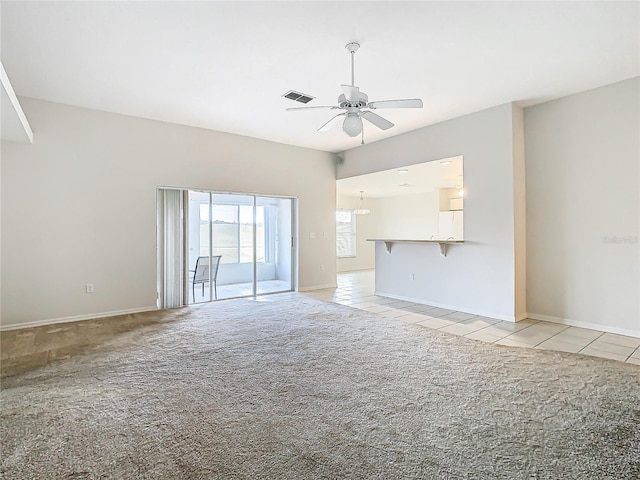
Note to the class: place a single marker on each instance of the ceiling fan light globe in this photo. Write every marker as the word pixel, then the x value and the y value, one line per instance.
pixel 352 125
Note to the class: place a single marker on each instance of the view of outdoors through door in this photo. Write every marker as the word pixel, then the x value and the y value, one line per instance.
pixel 274 244
pixel 238 245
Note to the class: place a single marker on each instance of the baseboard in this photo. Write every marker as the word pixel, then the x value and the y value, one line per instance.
pixel 457 308
pixel 317 287
pixel 590 326
pixel 521 316
pixel 76 318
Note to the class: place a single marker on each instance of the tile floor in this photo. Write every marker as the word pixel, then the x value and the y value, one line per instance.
pixel 355 289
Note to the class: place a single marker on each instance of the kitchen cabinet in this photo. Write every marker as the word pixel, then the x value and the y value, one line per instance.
pixel 455 203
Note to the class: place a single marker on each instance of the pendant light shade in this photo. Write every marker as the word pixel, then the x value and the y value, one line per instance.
pixel 362 210
pixel 352 125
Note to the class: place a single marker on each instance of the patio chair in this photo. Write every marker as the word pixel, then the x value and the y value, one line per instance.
pixel 201 274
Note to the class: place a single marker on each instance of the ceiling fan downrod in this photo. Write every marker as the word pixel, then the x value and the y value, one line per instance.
pixel 353 48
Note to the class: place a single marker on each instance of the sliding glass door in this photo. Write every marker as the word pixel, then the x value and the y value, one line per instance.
pixel 274 244
pixel 237 245
pixel 233 225
pixel 198 256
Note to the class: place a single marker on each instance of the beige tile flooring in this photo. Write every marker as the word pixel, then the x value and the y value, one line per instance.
pixel 355 289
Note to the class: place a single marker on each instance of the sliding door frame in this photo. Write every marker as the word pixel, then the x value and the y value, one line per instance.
pixel 185 241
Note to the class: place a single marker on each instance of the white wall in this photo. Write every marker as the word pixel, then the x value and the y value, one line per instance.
pixel 582 165
pixel 408 216
pixel 479 276
pixel 79 206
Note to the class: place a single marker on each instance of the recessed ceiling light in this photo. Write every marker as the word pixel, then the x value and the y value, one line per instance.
pixel 446 162
pixel 403 170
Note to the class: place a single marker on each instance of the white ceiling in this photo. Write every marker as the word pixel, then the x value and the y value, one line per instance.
pixel 418 178
pixel 225 65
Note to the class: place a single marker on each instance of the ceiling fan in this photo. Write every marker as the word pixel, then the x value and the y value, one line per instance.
pixel 356 106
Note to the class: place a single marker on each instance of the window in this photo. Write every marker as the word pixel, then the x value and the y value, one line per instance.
pixel 345 233
pixel 233 232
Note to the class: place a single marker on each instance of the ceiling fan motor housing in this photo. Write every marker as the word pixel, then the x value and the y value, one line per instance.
pixel 362 101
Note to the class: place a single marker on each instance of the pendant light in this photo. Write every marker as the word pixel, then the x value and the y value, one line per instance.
pixel 362 210
pixel 352 125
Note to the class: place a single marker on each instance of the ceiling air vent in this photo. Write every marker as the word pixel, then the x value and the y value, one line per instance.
pixel 298 97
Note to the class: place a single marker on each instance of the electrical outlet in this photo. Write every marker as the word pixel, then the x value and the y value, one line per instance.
pixel 322 268
pixel 88 288
pixel 412 276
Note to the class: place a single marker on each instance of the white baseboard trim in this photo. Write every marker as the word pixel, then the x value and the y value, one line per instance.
pixel 76 318
pixel 521 316
pixel 317 287
pixel 590 326
pixel 457 308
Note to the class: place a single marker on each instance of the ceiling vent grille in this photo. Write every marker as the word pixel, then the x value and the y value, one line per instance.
pixel 298 97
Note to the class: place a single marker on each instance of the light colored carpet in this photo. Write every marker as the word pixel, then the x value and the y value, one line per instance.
pixel 295 388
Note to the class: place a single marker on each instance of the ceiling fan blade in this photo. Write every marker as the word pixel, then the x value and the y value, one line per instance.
pixel 377 120
pixel 331 123
pixel 351 92
pixel 331 107
pixel 409 103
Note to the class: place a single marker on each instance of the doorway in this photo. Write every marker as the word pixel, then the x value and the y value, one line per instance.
pixel 233 245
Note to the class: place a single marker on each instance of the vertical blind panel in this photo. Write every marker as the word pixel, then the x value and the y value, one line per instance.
pixel 173 249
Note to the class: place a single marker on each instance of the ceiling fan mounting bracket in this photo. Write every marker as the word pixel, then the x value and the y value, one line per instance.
pixel 352 47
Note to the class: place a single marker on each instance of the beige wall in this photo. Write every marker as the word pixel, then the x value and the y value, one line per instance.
pixel 583 214
pixel 79 206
